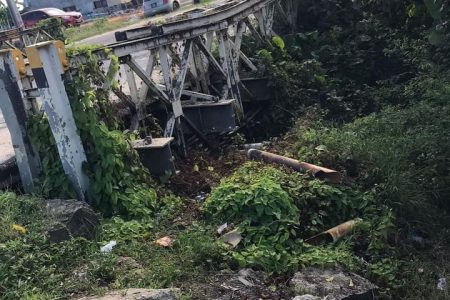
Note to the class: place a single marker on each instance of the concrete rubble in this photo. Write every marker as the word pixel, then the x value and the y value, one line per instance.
pixel 138 294
pixel 331 284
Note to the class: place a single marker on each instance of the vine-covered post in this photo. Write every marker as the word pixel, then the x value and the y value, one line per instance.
pixel 13 106
pixel 48 63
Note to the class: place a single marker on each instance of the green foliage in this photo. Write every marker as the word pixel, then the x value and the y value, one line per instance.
pixel 33 268
pixel 401 151
pixel 385 272
pixel 260 207
pixel 119 184
pixel 100 22
pixel 273 209
pixel 23 211
pixel 6 21
pixel 54 27
pixel 29 265
pixel 277 41
pixel 52 183
pixel 194 251
pixel 350 58
pixel 97 27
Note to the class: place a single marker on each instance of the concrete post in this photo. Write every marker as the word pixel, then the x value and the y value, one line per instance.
pixel 12 104
pixel 47 61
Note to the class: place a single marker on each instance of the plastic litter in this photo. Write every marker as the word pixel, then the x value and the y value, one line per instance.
pixel 165 241
pixel 442 284
pixel 417 238
pixel 108 247
pixel 201 197
pixel 222 228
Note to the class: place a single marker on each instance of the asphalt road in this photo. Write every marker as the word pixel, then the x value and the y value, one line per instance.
pixel 108 37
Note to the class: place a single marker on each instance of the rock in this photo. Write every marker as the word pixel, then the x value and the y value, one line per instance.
pixel 138 294
pixel 246 284
pixel 70 218
pixel 331 284
pixel 125 263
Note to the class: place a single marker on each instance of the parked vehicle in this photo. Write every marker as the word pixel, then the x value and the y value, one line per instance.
pixel 153 7
pixel 69 18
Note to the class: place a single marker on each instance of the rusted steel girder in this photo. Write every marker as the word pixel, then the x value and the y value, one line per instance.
pixel 319 172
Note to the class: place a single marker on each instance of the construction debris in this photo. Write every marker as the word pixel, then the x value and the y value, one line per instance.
pixel 334 234
pixel 233 238
pixel 316 171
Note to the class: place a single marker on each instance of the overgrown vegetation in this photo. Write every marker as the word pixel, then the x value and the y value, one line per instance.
pixel 361 86
pixel 118 182
pixel 33 268
pixel 99 26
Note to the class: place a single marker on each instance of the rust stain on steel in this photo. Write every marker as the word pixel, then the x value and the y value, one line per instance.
pixel 318 172
pixel 334 234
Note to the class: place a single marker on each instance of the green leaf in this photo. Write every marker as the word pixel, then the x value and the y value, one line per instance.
pixel 278 41
pixel 434 8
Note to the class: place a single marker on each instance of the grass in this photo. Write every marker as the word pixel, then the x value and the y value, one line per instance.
pixel 33 268
pixel 97 27
pixel 401 155
pixel 104 25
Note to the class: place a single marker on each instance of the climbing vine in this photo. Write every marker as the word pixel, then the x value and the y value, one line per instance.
pixel 119 184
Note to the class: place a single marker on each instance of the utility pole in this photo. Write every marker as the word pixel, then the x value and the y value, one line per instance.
pixel 17 18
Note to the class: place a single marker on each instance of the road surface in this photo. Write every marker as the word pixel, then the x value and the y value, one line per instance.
pixel 108 37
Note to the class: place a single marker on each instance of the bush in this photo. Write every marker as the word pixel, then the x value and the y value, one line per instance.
pixel 401 151
pixel 54 27
pixel 274 209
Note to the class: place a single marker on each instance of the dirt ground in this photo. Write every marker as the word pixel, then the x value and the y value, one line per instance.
pixel 202 170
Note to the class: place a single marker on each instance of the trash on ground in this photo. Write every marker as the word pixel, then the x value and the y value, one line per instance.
pixel 165 241
pixel 221 228
pixel 108 247
pixel 233 238
pixel 20 229
pixel 201 197
pixel 442 284
pixel 334 234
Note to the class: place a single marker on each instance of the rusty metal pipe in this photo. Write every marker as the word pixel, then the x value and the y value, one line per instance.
pixel 318 172
pixel 336 233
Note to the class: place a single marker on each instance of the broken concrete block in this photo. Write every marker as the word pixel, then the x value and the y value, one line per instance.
pixel 332 284
pixel 69 219
pixel 138 294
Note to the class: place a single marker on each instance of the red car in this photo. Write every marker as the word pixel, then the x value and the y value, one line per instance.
pixel 69 18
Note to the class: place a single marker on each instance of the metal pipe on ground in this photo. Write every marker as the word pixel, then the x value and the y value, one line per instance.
pixel 334 234
pixel 318 172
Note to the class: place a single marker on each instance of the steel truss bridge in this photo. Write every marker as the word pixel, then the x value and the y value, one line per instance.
pixel 201 90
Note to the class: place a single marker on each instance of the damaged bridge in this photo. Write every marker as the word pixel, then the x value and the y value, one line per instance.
pixel 190 71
